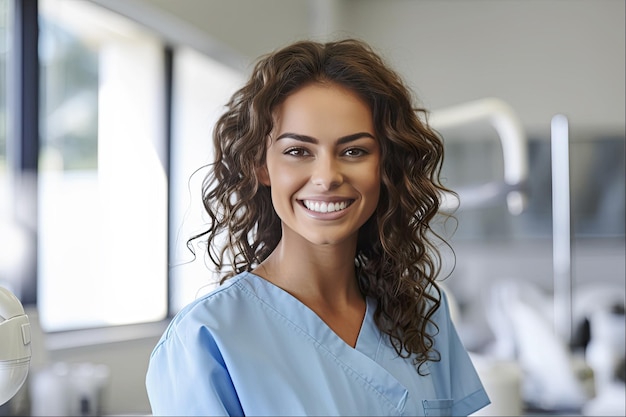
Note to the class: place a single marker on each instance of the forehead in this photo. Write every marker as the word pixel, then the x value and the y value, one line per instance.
pixel 326 108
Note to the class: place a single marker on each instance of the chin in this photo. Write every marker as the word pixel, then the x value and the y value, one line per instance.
pixel 328 241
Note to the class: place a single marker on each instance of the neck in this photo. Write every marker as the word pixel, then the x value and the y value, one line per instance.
pixel 314 274
pixel 323 278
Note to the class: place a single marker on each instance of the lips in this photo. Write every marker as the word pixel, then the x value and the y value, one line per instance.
pixel 326 206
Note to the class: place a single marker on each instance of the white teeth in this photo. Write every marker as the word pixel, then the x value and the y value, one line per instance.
pixel 324 207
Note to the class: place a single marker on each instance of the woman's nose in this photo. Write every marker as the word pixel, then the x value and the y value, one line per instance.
pixel 327 173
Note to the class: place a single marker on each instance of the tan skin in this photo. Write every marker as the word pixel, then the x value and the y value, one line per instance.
pixel 323 150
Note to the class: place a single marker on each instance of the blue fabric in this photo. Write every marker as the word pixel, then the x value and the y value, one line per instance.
pixel 250 348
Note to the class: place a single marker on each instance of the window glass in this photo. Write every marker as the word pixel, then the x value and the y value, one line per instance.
pixel 202 86
pixel 11 249
pixel 102 178
pixel 4 52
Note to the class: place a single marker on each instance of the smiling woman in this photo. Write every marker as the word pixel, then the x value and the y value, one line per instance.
pixel 333 159
pixel 325 183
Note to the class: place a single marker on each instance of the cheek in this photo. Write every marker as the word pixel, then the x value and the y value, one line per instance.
pixel 285 181
pixel 375 194
pixel 375 177
pixel 283 175
pixel 372 187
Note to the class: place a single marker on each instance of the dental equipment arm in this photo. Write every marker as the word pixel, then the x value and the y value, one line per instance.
pixel 15 351
pixel 512 137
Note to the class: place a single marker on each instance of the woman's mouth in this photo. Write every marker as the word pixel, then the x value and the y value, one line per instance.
pixel 326 207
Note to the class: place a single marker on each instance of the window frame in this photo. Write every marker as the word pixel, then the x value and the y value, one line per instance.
pixel 23 159
pixel 23 143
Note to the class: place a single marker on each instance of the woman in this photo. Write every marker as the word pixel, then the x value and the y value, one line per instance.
pixel 325 184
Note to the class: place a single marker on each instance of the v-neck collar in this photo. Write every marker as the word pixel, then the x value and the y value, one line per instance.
pixel 283 302
pixel 368 341
pixel 361 360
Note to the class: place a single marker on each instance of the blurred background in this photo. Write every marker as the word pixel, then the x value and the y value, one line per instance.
pixel 106 111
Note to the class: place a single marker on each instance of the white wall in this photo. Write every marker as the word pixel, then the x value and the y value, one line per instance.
pixel 542 56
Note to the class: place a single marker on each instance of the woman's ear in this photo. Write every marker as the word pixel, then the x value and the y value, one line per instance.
pixel 263 175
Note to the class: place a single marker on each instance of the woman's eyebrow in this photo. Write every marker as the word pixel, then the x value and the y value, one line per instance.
pixel 342 140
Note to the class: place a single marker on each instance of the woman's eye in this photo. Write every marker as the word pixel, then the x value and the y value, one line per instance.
pixel 296 152
pixel 355 152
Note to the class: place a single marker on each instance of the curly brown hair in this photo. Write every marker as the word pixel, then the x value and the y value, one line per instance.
pixel 396 260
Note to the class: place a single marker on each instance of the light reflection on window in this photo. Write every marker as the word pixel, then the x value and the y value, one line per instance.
pixel 4 52
pixel 12 240
pixel 202 87
pixel 102 183
pixel 4 49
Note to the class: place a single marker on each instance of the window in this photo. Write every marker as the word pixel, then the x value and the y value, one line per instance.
pixel 102 186
pixel 12 240
pixel 106 232
pixel 4 52
pixel 202 87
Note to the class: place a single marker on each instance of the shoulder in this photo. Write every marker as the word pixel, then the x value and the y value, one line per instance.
pixel 218 308
pixel 444 299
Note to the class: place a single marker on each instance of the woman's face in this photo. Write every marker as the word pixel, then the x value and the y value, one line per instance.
pixel 323 164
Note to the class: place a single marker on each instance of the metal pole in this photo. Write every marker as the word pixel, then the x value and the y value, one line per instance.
pixel 561 227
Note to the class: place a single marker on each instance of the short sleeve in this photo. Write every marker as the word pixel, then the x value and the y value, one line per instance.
pixel 187 376
pixel 459 378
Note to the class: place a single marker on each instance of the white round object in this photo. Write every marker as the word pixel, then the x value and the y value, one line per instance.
pixel 15 351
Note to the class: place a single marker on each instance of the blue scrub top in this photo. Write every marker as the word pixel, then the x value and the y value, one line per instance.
pixel 251 348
